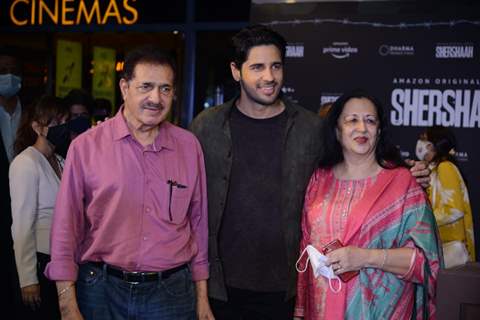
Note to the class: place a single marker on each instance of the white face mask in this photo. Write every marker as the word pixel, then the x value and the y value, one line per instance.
pixel 421 149
pixel 317 260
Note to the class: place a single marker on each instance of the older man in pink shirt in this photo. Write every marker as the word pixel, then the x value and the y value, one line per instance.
pixel 129 236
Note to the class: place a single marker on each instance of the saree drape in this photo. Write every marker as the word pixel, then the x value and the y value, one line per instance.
pixel 387 211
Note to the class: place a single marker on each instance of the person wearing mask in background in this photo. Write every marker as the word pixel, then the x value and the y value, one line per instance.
pixel 35 175
pixel 103 109
pixel 10 106
pixel 448 194
pixel 80 103
pixel 260 151
pixel 363 204
pixel 129 235
pixel 10 114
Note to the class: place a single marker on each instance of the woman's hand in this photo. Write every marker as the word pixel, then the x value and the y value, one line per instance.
pixel 348 258
pixel 31 296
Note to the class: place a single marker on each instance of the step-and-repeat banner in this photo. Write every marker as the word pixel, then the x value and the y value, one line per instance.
pixel 426 72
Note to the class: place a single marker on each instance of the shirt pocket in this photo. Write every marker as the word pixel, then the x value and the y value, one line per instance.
pixel 169 199
pixel 178 204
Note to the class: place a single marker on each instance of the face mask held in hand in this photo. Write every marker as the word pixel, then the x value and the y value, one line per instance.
pixel 318 260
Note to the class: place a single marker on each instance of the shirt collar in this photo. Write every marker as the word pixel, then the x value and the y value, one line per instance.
pixel 119 126
pixel 290 108
pixel 16 112
pixel 164 138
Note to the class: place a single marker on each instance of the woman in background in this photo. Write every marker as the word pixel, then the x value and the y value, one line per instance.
pixel 448 192
pixel 34 180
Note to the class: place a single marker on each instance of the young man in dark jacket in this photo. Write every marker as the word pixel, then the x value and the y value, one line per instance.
pixel 260 150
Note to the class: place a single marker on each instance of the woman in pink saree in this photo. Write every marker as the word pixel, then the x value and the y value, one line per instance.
pixel 363 196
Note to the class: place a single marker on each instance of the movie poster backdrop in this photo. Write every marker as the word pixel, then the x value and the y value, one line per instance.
pixel 426 71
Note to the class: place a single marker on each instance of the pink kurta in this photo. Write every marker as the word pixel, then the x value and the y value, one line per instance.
pixel 367 213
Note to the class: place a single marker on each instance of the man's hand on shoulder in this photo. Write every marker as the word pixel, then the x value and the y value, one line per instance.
pixel 420 171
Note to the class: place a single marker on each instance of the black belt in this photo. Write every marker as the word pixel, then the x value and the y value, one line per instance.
pixel 137 276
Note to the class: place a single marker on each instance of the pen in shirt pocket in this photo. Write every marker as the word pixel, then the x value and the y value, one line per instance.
pixel 172 183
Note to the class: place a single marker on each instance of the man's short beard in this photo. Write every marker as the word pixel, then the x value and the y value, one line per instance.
pixel 255 99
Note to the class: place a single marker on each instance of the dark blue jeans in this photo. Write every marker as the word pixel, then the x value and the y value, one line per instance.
pixel 101 296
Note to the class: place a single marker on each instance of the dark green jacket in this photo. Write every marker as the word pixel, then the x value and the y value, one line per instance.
pixel 302 148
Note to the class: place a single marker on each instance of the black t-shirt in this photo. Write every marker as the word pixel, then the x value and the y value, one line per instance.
pixel 252 246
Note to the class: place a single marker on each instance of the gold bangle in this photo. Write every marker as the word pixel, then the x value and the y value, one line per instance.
pixel 61 292
pixel 385 255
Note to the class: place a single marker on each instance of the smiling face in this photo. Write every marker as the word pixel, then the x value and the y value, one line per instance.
pixel 148 96
pixel 358 127
pixel 261 75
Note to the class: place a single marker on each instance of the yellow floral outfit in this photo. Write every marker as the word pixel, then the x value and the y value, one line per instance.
pixel 451 205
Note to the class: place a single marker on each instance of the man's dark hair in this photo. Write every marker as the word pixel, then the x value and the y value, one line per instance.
pixel 386 154
pixel 80 96
pixel 9 51
pixel 252 36
pixel 12 53
pixel 147 54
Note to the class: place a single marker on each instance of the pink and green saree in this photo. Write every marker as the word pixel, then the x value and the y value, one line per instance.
pixel 387 211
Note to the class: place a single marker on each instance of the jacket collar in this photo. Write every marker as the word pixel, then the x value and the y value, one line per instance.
pixel 289 108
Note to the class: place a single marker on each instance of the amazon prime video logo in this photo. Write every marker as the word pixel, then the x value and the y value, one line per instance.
pixel 340 50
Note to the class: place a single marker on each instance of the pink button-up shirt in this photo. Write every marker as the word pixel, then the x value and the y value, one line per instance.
pixel 138 208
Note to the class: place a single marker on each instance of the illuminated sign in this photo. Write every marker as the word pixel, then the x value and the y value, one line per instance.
pixel 69 67
pixel 103 80
pixel 72 12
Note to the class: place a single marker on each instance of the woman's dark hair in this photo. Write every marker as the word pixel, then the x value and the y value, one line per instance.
pixel 44 111
pixel 386 154
pixel 443 141
pixel 147 54
pixel 252 36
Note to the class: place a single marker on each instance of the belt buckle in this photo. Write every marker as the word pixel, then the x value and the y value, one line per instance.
pixel 126 274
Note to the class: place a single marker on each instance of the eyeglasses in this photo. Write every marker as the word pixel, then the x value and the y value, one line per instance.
pixel 353 119
pixel 165 89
